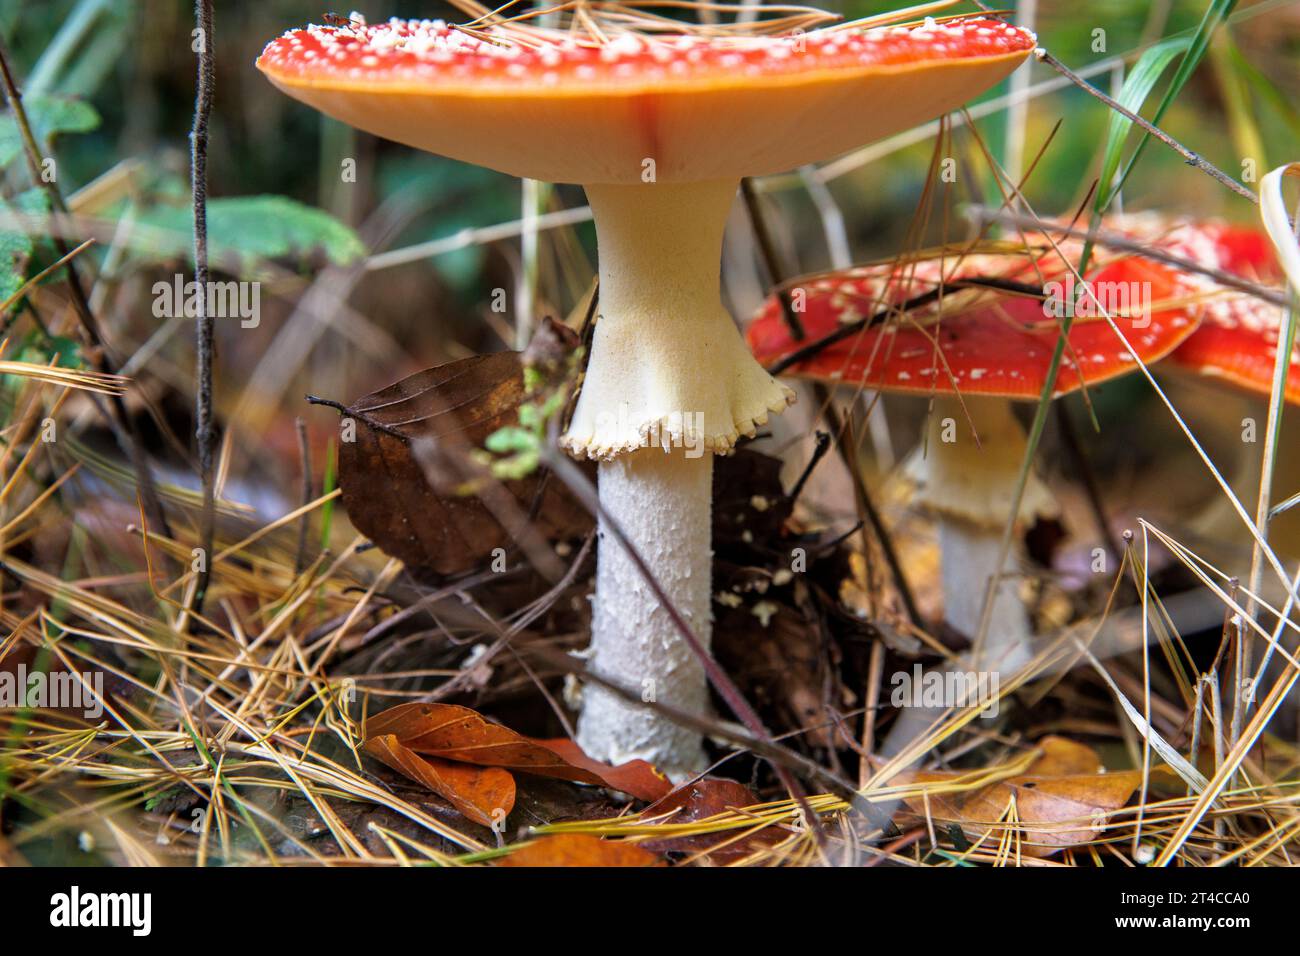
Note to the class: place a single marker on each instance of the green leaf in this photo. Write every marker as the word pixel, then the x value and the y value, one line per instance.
pixel 16 247
pixel 1137 87
pixel 66 349
pixel 85 49
pixel 244 231
pixel 511 439
pixel 517 466
pixel 15 250
pixel 1265 88
pixel 1215 14
pixel 49 116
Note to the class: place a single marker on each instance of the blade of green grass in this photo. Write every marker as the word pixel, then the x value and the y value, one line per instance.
pixel 330 481
pixel 1235 89
pixel 1137 87
pixel 1215 14
pixel 1265 88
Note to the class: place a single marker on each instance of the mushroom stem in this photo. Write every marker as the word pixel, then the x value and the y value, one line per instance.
pixel 669 383
pixel 970 552
pixel 969 488
pixel 663 503
pixel 667 362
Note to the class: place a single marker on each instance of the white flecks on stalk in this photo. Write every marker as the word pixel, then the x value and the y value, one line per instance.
pixel 663 502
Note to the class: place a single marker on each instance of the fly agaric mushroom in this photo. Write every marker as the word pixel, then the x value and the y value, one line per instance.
pixel 658 128
pixel 975 349
pixel 1238 339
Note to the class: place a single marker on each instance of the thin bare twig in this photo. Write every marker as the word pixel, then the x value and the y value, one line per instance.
pixel 204 333
pixel 767 250
pixel 822 446
pixel 847 444
pixel 1087 477
pixel 1192 158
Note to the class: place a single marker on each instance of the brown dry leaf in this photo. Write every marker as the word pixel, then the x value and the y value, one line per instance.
pixel 482 794
pixel 1060 801
pixel 636 777
pixel 781 664
pixel 457 733
pixel 709 798
pixel 1056 812
pixel 579 849
pixel 1064 757
pixel 448 410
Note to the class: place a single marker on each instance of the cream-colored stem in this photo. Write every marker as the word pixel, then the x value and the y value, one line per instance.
pixel 969 487
pixel 663 503
pixel 970 553
pixel 666 357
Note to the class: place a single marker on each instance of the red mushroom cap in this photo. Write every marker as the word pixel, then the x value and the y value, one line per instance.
pixel 1238 339
pixel 564 108
pixel 975 341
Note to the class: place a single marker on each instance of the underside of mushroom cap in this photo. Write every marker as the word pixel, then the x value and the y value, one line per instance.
pixel 959 477
pixel 563 108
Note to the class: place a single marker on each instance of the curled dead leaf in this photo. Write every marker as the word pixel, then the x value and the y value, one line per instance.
pixel 403 475
pixel 1059 800
pixel 701 800
pixel 485 795
pixel 456 733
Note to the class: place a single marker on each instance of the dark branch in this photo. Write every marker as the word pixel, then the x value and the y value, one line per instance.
pixel 204 333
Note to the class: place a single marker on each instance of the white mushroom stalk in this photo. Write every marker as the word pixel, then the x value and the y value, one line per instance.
pixel 967 479
pixel 663 503
pixel 669 384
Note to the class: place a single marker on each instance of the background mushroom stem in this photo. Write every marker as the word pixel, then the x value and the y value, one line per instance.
pixel 967 485
pixel 664 503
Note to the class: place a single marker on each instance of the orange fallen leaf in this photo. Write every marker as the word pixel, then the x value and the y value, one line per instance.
pixel 579 849
pixel 1062 757
pixel 457 733
pixel 482 794
pixel 636 777
pixel 1060 799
